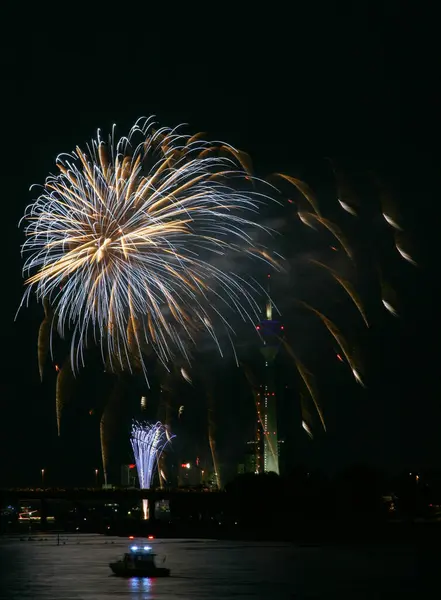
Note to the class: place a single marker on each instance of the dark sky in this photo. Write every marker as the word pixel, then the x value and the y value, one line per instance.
pixel 289 89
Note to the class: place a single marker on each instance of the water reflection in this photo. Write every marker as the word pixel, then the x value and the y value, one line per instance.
pixel 213 570
pixel 141 584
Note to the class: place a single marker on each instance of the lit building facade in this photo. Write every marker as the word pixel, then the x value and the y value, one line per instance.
pixel 190 475
pixel 249 464
pixel 128 475
pixel 267 443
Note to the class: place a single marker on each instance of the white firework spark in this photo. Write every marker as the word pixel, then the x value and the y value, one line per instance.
pixel 123 243
pixel 148 441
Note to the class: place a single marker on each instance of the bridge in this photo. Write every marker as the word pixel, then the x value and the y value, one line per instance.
pixel 13 495
pixel 196 499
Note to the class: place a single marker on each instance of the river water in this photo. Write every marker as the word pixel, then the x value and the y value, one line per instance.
pixel 211 570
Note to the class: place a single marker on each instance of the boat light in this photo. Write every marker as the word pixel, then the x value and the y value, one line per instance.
pixel 134 548
pixel 147 548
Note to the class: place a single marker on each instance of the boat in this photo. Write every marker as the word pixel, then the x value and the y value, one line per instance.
pixel 139 561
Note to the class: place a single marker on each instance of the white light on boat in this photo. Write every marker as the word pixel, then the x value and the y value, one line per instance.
pixel 147 548
pixel 134 548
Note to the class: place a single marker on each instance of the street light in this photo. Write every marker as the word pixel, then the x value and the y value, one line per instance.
pixel 96 477
pixel 42 477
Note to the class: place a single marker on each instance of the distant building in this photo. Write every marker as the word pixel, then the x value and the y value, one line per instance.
pixel 249 464
pixel 162 510
pixel 279 447
pixel 190 475
pixel 128 475
pixel 210 480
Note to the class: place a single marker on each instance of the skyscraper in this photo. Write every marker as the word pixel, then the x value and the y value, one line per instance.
pixel 267 439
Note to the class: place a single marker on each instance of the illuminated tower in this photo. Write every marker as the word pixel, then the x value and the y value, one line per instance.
pixel 267 439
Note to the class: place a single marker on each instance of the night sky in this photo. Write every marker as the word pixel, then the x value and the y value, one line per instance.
pixel 292 91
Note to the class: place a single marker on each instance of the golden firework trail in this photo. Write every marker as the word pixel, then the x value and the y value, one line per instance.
pixel 388 306
pixel 304 189
pixel 388 298
pixel 400 244
pixel 44 338
pixel 311 217
pixel 306 417
pixel 389 208
pixel 307 380
pixel 185 375
pixel 347 207
pixel 335 230
pixel 164 416
pixel 347 286
pixel 126 240
pixel 307 428
pixel 109 424
pixel 390 221
pixel 345 196
pixel 63 389
pixel 334 331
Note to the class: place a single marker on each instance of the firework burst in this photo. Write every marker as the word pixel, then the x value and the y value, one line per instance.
pixel 127 244
pixel 148 443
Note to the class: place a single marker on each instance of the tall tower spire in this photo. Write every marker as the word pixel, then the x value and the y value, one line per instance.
pixel 269 304
pixel 269 310
pixel 269 330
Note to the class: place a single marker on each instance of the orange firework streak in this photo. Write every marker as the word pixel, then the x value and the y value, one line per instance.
pixel 63 391
pixel 109 424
